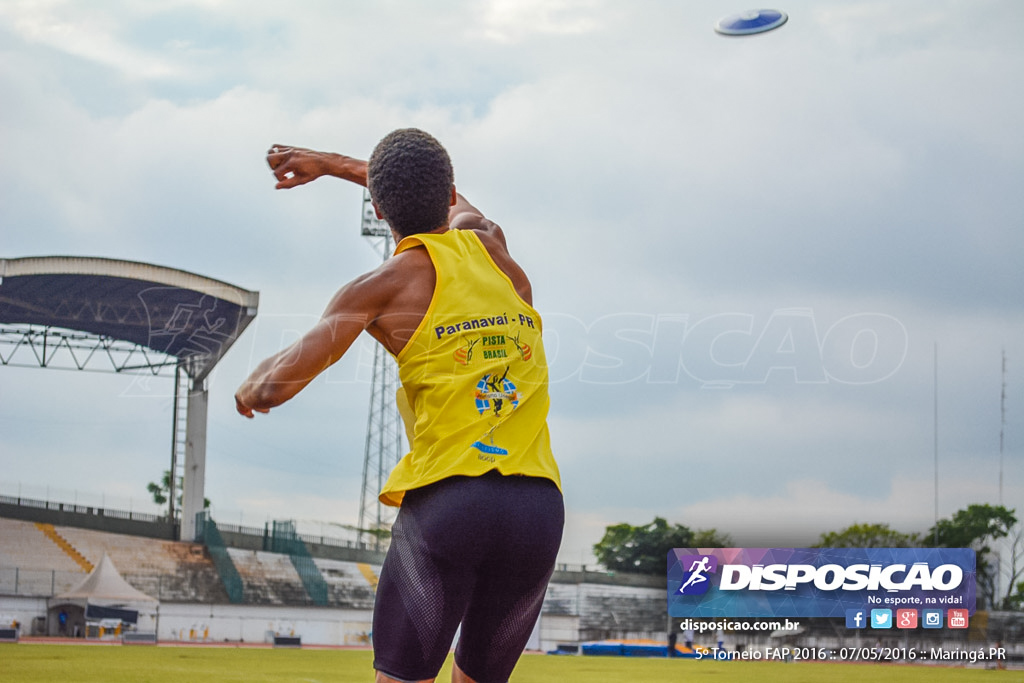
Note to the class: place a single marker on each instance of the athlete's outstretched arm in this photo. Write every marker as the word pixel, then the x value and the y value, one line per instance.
pixel 460 207
pixel 294 166
pixel 283 375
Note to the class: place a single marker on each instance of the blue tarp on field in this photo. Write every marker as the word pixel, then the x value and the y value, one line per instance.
pixel 631 648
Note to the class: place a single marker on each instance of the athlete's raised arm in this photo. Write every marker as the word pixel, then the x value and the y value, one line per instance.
pixel 465 216
pixel 294 166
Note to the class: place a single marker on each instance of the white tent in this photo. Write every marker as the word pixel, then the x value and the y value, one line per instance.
pixel 105 586
pixel 103 593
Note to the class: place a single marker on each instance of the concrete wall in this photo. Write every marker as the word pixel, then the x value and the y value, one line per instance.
pixel 258 624
pixel 98 519
pixel 558 630
pixel 24 610
pixel 579 576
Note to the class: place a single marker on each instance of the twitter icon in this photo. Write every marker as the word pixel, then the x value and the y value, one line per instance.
pixel 881 618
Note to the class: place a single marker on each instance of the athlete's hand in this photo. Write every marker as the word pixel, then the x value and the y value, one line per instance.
pixel 294 166
pixel 246 410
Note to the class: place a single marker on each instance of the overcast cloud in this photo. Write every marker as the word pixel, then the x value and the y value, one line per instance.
pixel 747 251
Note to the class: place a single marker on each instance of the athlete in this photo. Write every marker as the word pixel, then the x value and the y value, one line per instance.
pixel 481 513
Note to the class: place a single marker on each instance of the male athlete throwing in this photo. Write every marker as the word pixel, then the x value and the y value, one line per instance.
pixel 481 508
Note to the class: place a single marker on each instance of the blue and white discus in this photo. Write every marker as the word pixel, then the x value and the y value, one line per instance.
pixel 751 21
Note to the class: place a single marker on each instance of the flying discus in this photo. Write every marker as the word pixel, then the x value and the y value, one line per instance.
pixel 751 22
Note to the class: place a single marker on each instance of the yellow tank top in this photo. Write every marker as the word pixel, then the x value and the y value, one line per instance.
pixel 474 373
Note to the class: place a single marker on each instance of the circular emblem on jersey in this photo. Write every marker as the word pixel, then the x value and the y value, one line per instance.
pixel 495 393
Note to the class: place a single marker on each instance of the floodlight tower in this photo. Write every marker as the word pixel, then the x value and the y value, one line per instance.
pixel 383 425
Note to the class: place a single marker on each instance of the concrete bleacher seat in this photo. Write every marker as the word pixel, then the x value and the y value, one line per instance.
pixel 130 554
pixel 170 571
pixel 268 578
pixel 23 545
pixel 347 583
pixel 562 599
pixel 607 610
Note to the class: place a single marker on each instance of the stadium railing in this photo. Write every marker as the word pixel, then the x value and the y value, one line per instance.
pixel 286 540
pixel 208 534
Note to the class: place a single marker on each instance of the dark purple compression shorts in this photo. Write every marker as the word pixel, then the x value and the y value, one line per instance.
pixel 475 550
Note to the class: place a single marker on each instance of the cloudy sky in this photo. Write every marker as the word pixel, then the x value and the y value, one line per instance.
pixel 751 253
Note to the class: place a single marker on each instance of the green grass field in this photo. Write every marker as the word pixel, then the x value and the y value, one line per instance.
pixel 49 663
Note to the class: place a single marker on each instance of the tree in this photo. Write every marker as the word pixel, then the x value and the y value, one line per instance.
pixel 975 527
pixel 709 538
pixel 975 524
pixel 1012 570
pixel 644 549
pixel 161 491
pixel 868 536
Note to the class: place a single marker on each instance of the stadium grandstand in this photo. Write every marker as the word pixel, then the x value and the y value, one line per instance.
pixel 247 584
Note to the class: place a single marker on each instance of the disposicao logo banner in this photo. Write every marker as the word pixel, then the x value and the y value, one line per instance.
pixel 817 582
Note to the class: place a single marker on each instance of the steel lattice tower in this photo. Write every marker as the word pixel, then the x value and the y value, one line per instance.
pixel 384 429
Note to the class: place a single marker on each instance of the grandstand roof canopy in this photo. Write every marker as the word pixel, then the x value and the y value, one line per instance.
pixel 190 317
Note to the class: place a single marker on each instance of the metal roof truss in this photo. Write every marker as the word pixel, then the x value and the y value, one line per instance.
pixel 55 347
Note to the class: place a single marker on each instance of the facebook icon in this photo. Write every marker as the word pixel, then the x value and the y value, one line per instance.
pixel 856 618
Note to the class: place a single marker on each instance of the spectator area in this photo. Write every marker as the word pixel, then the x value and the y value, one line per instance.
pixel 32 563
pixel 24 545
pixel 349 583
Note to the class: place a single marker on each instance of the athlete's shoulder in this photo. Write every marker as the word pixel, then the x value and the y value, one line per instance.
pixel 487 230
pixel 379 286
pixel 492 238
pixel 407 264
